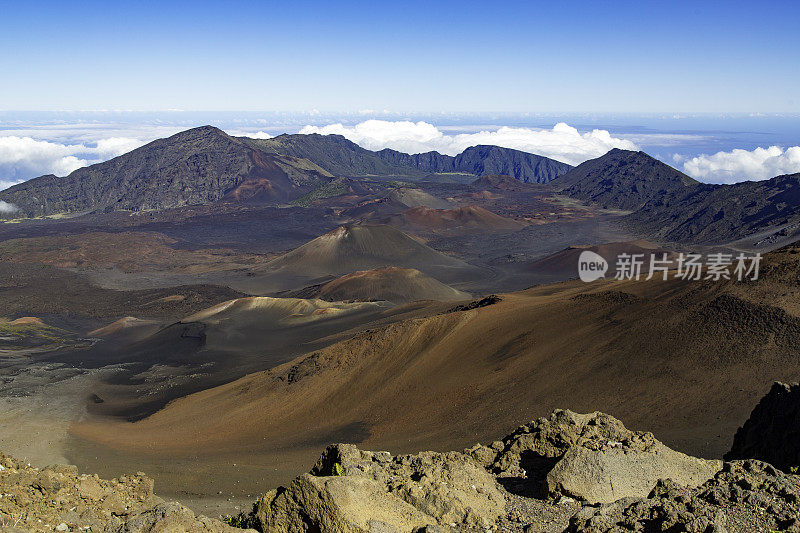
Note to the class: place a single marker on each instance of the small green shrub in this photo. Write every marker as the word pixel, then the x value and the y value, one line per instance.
pixel 241 521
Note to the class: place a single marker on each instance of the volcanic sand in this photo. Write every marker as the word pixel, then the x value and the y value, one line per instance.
pixel 688 360
pixel 393 284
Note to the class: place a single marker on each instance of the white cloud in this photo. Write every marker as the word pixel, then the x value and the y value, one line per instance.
pixel 738 165
pixel 664 139
pixel 6 207
pixel 252 134
pixel 114 146
pixel 413 137
pixel 5 184
pixel 562 142
pixel 23 158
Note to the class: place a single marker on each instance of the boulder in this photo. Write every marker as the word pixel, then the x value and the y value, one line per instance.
pixel 744 496
pixel 449 486
pixel 348 488
pixel 772 433
pixel 616 470
pixel 339 504
pixel 591 457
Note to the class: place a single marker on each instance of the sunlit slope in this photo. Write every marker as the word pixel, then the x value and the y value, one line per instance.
pixel 361 247
pixel 688 359
pixel 394 284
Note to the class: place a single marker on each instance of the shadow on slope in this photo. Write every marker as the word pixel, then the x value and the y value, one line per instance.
pixel 686 359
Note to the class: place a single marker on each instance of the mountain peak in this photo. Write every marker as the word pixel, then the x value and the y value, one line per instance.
pixel 197 166
pixel 633 154
pixel 481 160
pixel 622 179
pixel 206 127
pixel 354 247
pixel 199 132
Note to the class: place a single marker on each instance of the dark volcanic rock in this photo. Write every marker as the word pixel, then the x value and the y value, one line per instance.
pixel 197 166
pixel 709 213
pixel 334 153
pixel 772 433
pixel 342 157
pixel 475 304
pixel 622 179
pixel 483 160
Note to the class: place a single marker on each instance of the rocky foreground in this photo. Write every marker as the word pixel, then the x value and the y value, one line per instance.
pixel 58 498
pixel 568 472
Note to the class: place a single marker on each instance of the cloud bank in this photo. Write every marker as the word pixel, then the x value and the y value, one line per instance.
pixel 738 165
pixel 22 158
pixel 562 142
pixel 6 207
pixel 28 150
pixel 252 134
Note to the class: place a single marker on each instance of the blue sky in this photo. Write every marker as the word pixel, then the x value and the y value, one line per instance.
pixel 712 88
pixel 401 56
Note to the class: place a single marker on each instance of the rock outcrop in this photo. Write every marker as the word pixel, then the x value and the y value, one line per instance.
pixel 589 457
pixel 58 498
pixel 350 490
pixel 592 458
pixel 772 433
pixel 745 496
pixel 336 504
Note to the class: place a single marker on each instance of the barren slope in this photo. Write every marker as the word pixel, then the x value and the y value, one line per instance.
pixel 416 197
pixel 564 264
pixel 685 359
pixel 394 284
pixel 360 247
pixel 711 213
pixel 622 179
pixel 468 220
